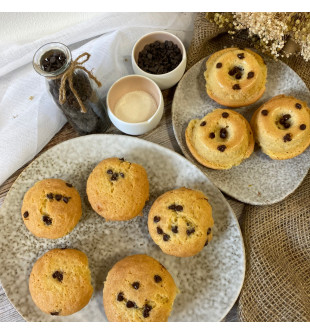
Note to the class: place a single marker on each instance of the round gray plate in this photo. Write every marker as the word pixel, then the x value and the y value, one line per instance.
pixel 209 282
pixel 258 180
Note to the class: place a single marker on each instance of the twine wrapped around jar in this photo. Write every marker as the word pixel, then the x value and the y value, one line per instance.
pixel 67 76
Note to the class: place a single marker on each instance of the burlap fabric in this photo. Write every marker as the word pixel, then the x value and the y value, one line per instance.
pixel 276 237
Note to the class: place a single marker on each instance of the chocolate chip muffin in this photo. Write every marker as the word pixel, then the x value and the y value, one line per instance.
pixel 180 222
pixel 220 140
pixel 138 288
pixel 282 127
pixel 235 77
pixel 51 208
pixel 60 282
pixel 118 189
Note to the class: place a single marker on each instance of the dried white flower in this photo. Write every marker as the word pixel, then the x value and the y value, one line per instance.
pixel 269 31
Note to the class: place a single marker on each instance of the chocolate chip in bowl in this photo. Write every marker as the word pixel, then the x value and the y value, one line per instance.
pixel 160 56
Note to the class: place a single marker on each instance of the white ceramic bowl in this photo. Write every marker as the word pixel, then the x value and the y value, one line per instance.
pixel 167 80
pixel 131 83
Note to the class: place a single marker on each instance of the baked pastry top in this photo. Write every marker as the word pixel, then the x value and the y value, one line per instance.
pixel 180 222
pixel 138 288
pixel 60 282
pixel 51 208
pixel 118 189
pixel 282 127
pixel 235 77
pixel 221 139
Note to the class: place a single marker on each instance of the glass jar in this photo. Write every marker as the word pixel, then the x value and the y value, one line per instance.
pixel 53 61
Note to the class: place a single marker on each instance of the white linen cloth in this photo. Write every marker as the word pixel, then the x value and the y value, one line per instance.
pixel 28 116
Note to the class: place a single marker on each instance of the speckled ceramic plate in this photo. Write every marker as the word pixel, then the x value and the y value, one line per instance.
pixel 209 282
pixel 258 180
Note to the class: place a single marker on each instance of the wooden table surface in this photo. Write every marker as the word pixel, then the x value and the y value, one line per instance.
pixel 162 135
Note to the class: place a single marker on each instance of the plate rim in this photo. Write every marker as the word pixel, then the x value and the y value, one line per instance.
pixel 160 147
pixel 201 167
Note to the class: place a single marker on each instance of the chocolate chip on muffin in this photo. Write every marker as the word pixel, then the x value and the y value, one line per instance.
pixel 146 311
pixel 136 285
pixel 130 304
pixel 55 313
pixel 174 229
pixel 171 207
pixel 58 197
pixel 221 148
pixel 58 275
pixel 114 177
pixel 120 296
pixel 157 278
pixel 287 137
pixel 298 106
pixel 223 133
pixel 166 237
pixel 159 230
pixel 240 55
pixel 236 87
pixel 190 231
pixel 250 75
pixel 66 199
pixel 47 220
pixel 156 219
pixel 50 196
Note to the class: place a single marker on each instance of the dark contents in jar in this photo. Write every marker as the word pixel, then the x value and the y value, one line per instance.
pixel 95 119
pixel 159 58
pixel 53 60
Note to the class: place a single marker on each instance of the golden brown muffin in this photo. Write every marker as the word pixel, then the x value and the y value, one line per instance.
pixel 235 77
pixel 51 208
pixel 118 189
pixel 60 282
pixel 220 140
pixel 180 222
pixel 282 127
pixel 138 288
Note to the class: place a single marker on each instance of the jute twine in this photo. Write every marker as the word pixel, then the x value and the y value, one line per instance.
pixel 68 76
pixel 276 237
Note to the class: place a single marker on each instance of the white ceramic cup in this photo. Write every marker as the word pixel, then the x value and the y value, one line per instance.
pixel 131 83
pixel 167 80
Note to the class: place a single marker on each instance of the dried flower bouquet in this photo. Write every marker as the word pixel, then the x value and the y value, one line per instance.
pixel 277 34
